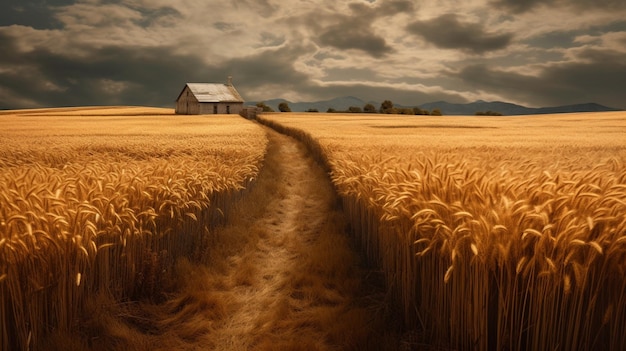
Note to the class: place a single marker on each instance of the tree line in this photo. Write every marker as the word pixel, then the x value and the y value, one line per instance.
pixel 386 107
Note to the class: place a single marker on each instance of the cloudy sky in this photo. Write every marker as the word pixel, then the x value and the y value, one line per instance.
pixel 142 52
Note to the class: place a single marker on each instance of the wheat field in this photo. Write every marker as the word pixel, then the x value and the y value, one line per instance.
pixel 106 199
pixel 494 233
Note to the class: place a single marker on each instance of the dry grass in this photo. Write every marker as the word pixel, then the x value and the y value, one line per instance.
pixel 104 201
pixel 493 232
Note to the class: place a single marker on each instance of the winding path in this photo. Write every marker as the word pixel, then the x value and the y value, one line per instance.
pixel 296 284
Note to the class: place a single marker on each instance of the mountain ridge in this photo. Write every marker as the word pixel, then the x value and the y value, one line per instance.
pixel 447 108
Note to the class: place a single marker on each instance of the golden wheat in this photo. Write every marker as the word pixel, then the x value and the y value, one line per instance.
pixel 494 233
pixel 105 200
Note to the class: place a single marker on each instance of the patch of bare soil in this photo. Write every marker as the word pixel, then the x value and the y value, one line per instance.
pixel 280 275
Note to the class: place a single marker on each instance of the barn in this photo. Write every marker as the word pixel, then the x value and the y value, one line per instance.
pixel 209 98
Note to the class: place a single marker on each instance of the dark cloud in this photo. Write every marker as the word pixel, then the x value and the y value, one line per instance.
pixel 395 7
pixel 448 32
pixel 224 27
pixel 567 38
pixel 355 35
pixel 520 6
pixel 599 78
pixel 146 76
pixel 355 31
pixel 552 40
pixel 36 13
pixel 159 15
pixel 273 67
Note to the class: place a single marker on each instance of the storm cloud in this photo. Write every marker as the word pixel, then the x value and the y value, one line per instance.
pixel 141 52
pixel 355 30
pixel 448 32
pixel 355 36
pixel 598 78
pixel 519 6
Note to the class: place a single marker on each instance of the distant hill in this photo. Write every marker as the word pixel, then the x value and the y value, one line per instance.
pixel 588 107
pixel 505 108
pixel 508 109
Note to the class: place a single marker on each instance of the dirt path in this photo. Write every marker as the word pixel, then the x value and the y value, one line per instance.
pixel 297 285
pixel 280 275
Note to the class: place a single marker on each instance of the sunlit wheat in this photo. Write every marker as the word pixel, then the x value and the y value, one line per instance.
pixel 107 204
pixel 508 236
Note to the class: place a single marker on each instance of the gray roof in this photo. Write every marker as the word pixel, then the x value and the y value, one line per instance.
pixel 214 92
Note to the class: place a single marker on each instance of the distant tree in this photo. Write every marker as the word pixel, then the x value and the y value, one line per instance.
pixel 436 112
pixel 331 110
pixel 312 110
pixel 386 107
pixel 355 109
pixel 406 111
pixel 369 108
pixel 284 107
pixel 488 113
pixel 264 107
pixel 419 111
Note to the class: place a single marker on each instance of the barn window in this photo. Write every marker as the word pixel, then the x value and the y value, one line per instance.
pixel 227 109
pixel 214 109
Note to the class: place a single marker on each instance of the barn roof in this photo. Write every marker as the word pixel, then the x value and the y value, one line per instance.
pixel 213 92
